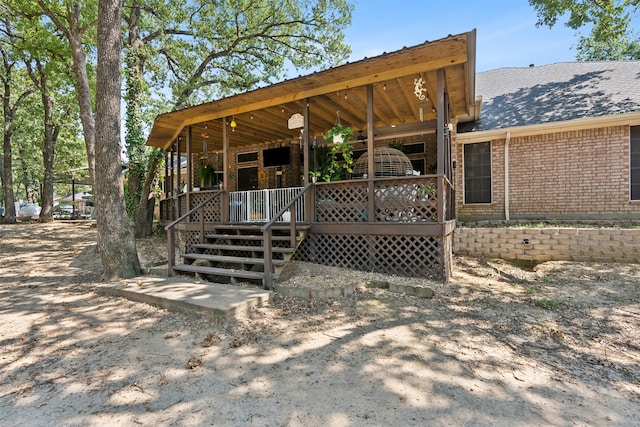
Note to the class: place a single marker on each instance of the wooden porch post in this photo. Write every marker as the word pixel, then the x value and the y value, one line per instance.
pixel 174 197
pixel 225 171
pixel 167 187
pixel 371 173
pixel 178 176
pixel 305 143
pixel 309 202
pixel 189 167
pixel 441 146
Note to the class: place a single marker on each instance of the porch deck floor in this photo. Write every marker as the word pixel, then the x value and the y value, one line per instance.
pixel 214 301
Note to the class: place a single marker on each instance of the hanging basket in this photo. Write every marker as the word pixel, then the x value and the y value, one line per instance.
pixel 338 134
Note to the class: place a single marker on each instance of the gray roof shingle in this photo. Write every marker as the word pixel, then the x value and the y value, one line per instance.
pixel 513 97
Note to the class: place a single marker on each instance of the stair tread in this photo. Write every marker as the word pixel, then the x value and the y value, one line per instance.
pixel 232 259
pixel 241 248
pixel 258 226
pixel 244 237
pixel 219 271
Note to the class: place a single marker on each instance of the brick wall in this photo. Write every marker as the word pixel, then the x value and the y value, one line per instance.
pixel 566 175
pixel 546 244
pixel 292 173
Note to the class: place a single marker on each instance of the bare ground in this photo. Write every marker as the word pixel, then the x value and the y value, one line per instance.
pixel 498 345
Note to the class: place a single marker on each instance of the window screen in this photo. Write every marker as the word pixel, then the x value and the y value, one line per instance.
pixel 635 163
pixel 477 173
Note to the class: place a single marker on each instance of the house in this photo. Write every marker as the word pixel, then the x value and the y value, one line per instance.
pixel 552 142
pixel 246 204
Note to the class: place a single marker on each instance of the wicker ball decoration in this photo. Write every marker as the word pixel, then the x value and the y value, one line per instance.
pixel 386 161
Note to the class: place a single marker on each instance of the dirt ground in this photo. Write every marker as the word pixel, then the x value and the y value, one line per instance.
pixel 499 345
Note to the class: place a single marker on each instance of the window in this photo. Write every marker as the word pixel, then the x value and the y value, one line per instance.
pixel 417 148
pixel 635 162
pixel 477 172
pixel 247 157
pixel 247 179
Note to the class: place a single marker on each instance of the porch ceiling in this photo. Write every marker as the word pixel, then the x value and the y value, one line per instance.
pixel 261 115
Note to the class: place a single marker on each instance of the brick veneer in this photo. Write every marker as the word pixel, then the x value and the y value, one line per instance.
pixel 566 175
pixel 546 244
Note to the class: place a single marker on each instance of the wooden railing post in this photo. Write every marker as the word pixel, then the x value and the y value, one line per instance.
pixel 268 260
pixel 292 226
pixel 171 251
pixel 202 226
pixel 441 198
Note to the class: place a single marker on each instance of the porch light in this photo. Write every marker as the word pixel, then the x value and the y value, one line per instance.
pixel 205 132
pixel 233 125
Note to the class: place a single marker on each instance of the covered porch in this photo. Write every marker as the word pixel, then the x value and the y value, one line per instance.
pixel 249 159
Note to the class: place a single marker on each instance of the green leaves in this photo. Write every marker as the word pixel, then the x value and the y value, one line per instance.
pixel 611 36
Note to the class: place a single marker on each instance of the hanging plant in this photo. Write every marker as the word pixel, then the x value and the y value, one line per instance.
pixel 341 154
pixel 338 134
pixel 334 169
pixel 207 174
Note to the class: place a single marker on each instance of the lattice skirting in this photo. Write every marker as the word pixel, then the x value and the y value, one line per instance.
pixel 185 239
pixel 413 256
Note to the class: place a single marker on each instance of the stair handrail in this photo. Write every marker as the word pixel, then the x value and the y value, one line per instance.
pixel 170 229
pixel 266 232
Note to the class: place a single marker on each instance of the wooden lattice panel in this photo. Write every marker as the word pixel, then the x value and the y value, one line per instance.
pixel 412 256
pixel 406 201
pixel 341 202
pixel 182 203
pixel 185 240
pixel 212 211
pixel 166 209
pixel 396 200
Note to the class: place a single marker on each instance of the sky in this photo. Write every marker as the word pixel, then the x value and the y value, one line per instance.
pixel 506 32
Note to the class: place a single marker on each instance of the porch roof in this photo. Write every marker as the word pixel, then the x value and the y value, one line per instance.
pixel 261 114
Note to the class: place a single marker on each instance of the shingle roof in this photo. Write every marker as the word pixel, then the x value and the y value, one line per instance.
pixel 513 97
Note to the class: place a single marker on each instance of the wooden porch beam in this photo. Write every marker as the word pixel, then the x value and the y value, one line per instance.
pixel 384 229
pixel 458 57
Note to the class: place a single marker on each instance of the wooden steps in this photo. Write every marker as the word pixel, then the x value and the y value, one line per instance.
pixel 232 253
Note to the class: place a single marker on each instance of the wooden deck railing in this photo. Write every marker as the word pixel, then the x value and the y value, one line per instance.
pixel 262 205
pixel 293 206
pixel 395 199
pixel 170 229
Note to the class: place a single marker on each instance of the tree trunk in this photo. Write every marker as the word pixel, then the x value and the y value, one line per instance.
pixel 7 181
pixel 144 213
pixel 116 245
pixel 50 136
pixel 83 94
pixel 41 81
pixel 143 163
pixel 7 172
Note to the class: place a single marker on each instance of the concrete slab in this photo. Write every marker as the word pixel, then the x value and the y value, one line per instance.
pixel 216 302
